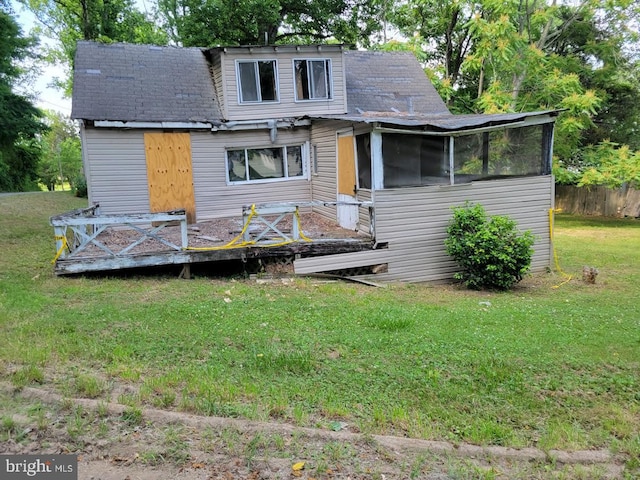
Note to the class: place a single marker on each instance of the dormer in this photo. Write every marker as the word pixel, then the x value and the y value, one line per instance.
pixel 279 81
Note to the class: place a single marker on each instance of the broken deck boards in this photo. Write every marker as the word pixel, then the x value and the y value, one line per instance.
pixel 339 261
pixel 77 265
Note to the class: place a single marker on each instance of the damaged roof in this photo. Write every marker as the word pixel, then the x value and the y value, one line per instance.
pixel 125 82
pixel 439 122
pixel 143 83
pixel 389 82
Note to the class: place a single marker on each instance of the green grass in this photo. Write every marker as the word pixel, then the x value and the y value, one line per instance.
pixel 538 366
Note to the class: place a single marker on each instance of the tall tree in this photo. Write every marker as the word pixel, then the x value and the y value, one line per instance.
pixel 441 29
pixel 20 122
pixel 207 23
pixel 514 55
pixel 61 161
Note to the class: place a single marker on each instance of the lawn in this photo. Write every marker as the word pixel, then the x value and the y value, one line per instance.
pixel 553 364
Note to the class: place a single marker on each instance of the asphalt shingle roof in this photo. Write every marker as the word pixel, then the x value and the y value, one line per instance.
pixel 142 83
pixel 125 82
pixel 389 82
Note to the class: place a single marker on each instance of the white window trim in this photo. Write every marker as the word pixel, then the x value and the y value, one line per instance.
pixel 329 85
pixel 285 167
pixel 276 79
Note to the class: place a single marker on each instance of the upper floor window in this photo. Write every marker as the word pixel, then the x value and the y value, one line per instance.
pixel 313 79
pixel 257 81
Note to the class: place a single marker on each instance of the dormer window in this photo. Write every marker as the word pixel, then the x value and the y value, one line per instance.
pixel 313 79
pixel 257 81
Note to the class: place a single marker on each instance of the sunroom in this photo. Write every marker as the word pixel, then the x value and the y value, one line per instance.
pixel 454 150
pixel 413 169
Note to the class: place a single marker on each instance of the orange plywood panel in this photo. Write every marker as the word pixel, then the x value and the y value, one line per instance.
pixel 346 165
pixel 169 173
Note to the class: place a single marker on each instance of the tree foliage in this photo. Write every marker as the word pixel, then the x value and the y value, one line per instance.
pixel 507 55
pixel 61 161
pixel 19 120
pixel 611 165
pixel 206 23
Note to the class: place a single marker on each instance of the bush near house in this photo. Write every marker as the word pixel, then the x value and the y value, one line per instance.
pixel 490 250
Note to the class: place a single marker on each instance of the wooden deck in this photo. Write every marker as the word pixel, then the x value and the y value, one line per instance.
pixel 87 241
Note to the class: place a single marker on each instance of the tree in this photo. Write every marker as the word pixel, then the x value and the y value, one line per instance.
pixel 611 165
pixel 206 23
pixel 20 122
pixel 61 154
pixel 441 29
pixel 498 56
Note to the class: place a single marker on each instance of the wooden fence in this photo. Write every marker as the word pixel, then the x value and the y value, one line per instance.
pixel 623 202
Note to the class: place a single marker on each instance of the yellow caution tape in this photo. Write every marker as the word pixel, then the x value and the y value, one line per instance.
pixel 555 253
pixel 64 245
pixel 235 244
pixel 300 232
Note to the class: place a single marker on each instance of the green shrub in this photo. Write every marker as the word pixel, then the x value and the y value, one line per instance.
pixel 490 250
pixel 80 186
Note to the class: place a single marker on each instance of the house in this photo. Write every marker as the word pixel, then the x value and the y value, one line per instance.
pixel 362 135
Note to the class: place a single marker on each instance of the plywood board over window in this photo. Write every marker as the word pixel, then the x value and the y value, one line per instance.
pixel 169 173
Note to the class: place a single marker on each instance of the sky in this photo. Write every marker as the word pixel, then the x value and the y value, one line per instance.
pixel 49 98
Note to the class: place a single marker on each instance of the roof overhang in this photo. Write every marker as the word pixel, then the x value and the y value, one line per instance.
pixel 446 124
pixel 153 125
pixel 262 49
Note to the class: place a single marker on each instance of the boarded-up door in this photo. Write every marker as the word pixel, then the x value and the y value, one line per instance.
pixel 169 173
pixel 347 214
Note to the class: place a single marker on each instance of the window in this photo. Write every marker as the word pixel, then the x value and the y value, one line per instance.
pixel 501 153
pixel 263 164
pixel 313 79
pixel 257 81
pixel 363 151
pixel 412 160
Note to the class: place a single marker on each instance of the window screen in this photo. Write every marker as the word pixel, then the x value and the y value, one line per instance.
pixel 313 79
pixel 411 160
pixel 257 81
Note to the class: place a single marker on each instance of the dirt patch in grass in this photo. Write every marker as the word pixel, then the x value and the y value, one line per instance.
pixel 114 441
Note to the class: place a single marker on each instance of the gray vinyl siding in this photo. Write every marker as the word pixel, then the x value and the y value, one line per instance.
pixel 116 170
pixel 413 222
pixel 287 107
pixel 323 184
pixel 364 217
pixel 214 198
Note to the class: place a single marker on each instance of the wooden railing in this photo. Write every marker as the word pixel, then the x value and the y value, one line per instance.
pixel 78 230
pixel 269 215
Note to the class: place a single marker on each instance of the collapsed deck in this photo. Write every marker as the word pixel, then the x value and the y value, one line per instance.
pixel 89 242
